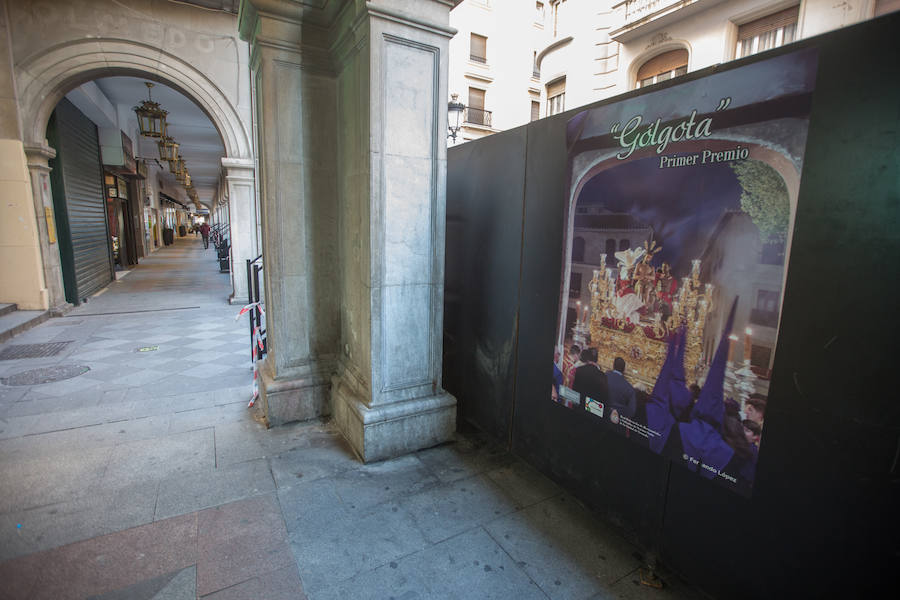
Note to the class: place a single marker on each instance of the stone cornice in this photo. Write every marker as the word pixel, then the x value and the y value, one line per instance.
pixel 38 155
pixel 410 20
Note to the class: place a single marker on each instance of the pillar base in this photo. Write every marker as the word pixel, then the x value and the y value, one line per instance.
pixel 288 399
pixel 382 432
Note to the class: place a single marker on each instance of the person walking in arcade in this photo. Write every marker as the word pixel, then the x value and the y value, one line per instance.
pixel 204 231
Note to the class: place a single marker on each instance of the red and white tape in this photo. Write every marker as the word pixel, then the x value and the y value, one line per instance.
pixel 256 347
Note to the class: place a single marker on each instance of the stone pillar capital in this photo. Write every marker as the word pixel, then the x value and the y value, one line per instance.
pixel 39 155
pixel 239 169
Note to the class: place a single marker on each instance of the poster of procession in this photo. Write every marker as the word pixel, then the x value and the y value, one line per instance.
pixel 680 207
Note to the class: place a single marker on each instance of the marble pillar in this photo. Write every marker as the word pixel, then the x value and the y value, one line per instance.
pixel 351 103
pixel 240 181
pixel 295 114
pixel 392 99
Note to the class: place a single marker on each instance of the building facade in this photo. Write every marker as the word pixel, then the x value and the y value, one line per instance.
pixel 514 61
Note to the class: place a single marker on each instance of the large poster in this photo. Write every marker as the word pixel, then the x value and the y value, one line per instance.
pixel 680 209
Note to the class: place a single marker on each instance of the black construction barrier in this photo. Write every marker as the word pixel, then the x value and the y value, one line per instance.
pixel 817 514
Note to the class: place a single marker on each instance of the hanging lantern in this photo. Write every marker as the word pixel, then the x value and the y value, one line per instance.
pixel 151 118
pixel 168 148
pixel 177 166
pixel 187 179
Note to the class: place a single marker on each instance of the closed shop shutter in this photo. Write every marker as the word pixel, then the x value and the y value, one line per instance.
pixel 80 203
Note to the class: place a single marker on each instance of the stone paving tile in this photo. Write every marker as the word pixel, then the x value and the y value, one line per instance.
pixel 18 426
pixel 78 439
pixel 46 480
pixel 178 585
pixel 138 377
pixel 187 493
pixel 90 354
pixel 470 565
pixel 523 484
pixel 160 457
pixel 564 549
pixel 70 418
pixel 330 456
pixel 239 558
pixel 66 387
pixel 454 507
pixel 283 584
pixel 239 441
pixel 209 416
pixel 112 562
pixel 332 542
pixel 79 518
pixel 19 576
pixel 373 484
pixel 206 371
pixel 260 515
pixel 466 457
pixel 35 404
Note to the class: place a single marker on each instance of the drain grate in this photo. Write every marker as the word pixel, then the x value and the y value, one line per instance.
pixel 45 375
pixel 17 351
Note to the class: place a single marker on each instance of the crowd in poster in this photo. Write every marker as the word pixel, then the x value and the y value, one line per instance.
pixel 679 216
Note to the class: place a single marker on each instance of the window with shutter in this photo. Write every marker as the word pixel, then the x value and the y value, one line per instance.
pixel 475 112
pixel 662 67
pixel 556 96
pixel 768 32
pixel 478 48
pixel 535 110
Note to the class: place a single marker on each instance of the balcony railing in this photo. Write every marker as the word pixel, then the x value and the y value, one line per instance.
pixel 632 11
pixel 478 58
pixel 638 9
pixel 477 116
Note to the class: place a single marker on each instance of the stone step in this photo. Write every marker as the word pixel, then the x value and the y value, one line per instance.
pixel 17 321
pixel 5 309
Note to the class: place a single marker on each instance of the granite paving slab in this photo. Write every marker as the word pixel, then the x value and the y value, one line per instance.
pixel 563 549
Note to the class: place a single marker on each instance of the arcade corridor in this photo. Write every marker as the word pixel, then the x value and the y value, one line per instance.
pixel 146 476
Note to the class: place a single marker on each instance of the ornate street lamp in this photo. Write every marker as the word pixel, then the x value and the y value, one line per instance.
pixel 151 118
pixel 454 114
pixel 177 166
pixel 168 148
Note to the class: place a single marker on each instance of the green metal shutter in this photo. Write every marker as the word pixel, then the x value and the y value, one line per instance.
pixel 87 262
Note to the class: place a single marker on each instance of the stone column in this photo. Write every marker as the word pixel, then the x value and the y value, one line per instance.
pixel 295 105
pixel 239 177
pixel 38 157
pixel 392 98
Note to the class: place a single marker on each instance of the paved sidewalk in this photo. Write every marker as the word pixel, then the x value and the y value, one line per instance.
pixel 144 475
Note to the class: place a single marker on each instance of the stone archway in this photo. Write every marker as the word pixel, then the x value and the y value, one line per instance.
pixel 45 77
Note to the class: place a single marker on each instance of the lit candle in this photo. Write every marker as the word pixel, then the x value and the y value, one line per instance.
pixel 747 333
pixel 731 343
pixel 695 268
